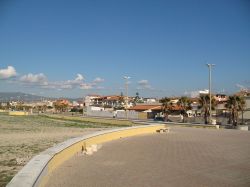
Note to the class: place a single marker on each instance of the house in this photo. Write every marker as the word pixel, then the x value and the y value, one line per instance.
pixel 246 114
pixel 63 102
pixel 75 104
pixel 112 101
pixel 149 100
pixel 220 98
pixel 151 109
pixel 91 100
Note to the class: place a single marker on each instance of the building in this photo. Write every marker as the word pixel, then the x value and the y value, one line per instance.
pixel 91 100
pixel 152 110
pixel 220 98
pixel 246 113
pixel 149 100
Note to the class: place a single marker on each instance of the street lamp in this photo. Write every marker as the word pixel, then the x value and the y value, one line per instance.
pixel 126 87
pixel 210 91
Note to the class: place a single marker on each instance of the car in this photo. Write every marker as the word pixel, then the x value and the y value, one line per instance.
pixel 159 119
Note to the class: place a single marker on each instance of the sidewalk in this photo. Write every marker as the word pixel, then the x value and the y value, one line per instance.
pixel 183 157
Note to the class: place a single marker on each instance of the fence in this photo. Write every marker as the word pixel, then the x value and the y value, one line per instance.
pixel 117 114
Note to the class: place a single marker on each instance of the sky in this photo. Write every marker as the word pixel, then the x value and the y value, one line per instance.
pixel 72 48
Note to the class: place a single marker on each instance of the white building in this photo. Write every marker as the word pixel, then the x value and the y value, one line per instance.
pixel 246 114
pixel 89 99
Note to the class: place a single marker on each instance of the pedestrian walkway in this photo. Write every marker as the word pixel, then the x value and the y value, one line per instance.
pixel 182 157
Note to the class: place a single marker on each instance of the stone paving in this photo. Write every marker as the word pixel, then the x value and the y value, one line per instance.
pixel 183 157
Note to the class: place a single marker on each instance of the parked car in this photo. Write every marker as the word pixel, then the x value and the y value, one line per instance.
pixel 159 119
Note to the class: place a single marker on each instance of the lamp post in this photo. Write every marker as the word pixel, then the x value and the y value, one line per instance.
pixel 210 90
pixel 126 100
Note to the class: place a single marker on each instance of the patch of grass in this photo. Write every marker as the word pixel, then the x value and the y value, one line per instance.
pixel 99 121
pixel 5 177
pixel 96 122
pixel 59 121
pixel 35 133
pixel 9 163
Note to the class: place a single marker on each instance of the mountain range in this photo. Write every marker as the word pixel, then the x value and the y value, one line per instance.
pixel 19 96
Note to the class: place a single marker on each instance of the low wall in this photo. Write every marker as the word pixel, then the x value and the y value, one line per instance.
pixel 38 170
pixel 129 114
pixel 18 113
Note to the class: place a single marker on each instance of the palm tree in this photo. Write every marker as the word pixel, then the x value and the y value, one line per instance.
pixel 234 104
pixel 165 106
pixel 242 106
pixel 204 105
pixel 231 105
pixel 185 104
pixel 136 98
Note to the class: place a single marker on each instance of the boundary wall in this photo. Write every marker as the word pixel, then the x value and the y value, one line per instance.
pixel 37 171
pixel 18 113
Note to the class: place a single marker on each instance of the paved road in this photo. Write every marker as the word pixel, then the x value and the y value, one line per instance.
pixel 184 157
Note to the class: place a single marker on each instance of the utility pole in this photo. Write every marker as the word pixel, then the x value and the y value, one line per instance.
pixel 210 91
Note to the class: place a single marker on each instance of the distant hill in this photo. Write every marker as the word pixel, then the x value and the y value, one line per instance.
pixel 19 96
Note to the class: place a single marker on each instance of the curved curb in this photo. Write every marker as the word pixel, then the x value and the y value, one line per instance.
pixel 36 171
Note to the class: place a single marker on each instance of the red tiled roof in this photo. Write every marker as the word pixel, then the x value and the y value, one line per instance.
pixel 176 107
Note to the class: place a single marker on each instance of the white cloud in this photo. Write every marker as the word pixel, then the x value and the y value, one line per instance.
pixel 98 80
pixel 86 86
pixel 8 72
pixel 79 77
pixel 100 88
pixel 92 85
pixel 242 87
pixel 192 94
pixel 68 84
pixel 34 79
pixel 78 80
pixel 144 84
pixel 40 80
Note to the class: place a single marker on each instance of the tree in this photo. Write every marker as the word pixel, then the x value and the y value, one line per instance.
pixel 235 104
pixel 61 107
pixel 204 105
pixel 204 102
pixel 44 108
pixel 231 106
pixel 165 106
pixel 137 98
pixel 185 104
pixel 242 106
pixel 26 107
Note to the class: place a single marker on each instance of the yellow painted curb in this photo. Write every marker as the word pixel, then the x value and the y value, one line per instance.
pixel 18 113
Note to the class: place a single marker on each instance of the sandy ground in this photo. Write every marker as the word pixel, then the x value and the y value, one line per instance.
pixel 184 157
pixel 22 137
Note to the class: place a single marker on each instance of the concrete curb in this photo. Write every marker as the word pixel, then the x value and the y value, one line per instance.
pixel 174 124
pixel 36 171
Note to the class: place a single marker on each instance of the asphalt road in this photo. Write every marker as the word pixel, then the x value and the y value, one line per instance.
pixel 183 157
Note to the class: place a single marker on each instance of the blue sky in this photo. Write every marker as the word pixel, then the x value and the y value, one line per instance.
pixel 74 48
